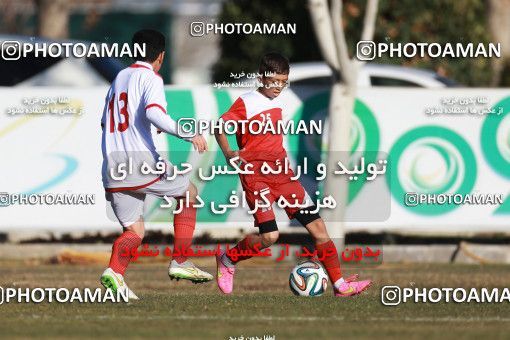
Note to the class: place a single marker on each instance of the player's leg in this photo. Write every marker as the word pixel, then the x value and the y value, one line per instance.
pixel 184 224
pixel 265 220
pixel 268 234
pixel 184 228
pixel 326 249
pixel 125 244
pixel 128 208
pixel 226 261
pixel 328 256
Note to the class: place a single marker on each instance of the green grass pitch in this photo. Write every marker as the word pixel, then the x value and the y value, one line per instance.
pixel 261 304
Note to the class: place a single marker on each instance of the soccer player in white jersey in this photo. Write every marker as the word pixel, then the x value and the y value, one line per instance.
pixel 135 102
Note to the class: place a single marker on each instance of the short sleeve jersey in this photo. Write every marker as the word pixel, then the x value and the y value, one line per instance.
pixel 126 129
pixel 257 146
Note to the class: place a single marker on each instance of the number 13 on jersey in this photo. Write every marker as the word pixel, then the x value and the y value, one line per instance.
pixel 123 111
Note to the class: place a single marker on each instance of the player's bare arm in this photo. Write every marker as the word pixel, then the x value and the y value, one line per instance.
pixel 224 146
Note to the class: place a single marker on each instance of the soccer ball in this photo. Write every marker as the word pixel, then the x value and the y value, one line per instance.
pixel 308 279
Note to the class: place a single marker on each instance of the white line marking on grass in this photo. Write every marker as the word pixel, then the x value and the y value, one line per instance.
pixel 443 319
pixel 221 318
pixel 294 318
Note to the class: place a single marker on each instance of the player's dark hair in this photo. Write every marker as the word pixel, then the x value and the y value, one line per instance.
pixel 154 43
pixel 275 63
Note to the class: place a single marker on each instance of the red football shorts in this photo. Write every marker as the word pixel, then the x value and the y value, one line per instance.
pixel 274 186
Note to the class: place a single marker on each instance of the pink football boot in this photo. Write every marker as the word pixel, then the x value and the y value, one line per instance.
pixel 351 287
pixel 225 276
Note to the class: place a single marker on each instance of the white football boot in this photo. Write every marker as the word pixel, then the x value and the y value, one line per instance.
pixel 115 282
pixel 188 271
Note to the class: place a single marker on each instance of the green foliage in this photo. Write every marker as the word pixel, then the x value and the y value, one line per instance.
pixel 402 21
pixel 243 52
pixel 439 21
pixel 111 27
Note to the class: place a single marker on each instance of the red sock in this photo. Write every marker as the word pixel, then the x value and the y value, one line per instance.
pixel 244 244
pixel 330 262
pixel 184 227
pixel 128 240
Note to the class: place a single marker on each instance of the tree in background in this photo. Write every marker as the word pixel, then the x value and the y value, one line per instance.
pixel 53 18
pixel 402 21
pixel 439 21
pixel 499 24
pixel 329 29
pixel 241 52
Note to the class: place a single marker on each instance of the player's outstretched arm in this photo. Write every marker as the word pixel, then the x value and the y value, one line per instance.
pixel 164 123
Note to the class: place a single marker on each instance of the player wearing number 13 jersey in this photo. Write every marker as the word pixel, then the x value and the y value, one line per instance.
pixel 135 102
pixel 264 104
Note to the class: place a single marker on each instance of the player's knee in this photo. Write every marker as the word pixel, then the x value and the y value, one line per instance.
pixel 268 239
pixel 318 230
pixel 317 225
pixel 268 232
pixel 138 232
pixel 193 192
pixel 138 228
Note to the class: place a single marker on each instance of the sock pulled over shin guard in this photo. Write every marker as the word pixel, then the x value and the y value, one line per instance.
pixel 129 240
pixel 244 245
pixel 330 262
pixel 184 227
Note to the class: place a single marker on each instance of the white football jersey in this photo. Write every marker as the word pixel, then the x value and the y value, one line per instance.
pixel 126 137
